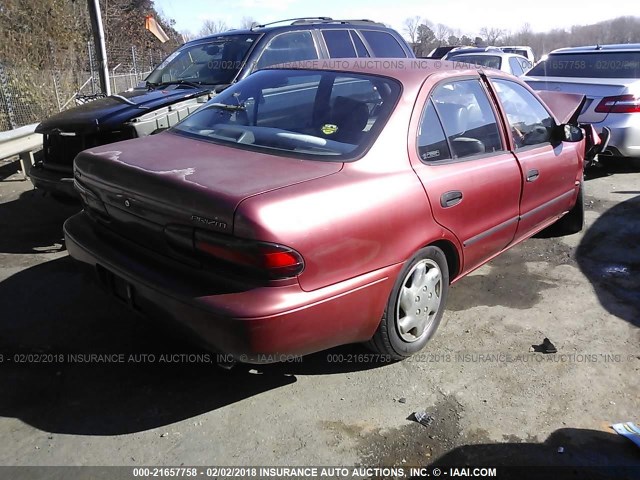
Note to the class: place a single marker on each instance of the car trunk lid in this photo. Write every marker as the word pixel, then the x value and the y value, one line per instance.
pixel 594 92
pixel 146 188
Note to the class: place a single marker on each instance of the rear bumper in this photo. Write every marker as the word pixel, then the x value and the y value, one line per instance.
pixel 53 180
pixel 625 134
pixel 254 324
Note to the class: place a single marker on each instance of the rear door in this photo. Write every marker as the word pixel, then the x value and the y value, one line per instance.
pixel 472 181
pixel 549 169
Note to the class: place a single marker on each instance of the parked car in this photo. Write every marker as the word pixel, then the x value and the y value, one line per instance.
pixel 194 73
pixel 441 51
pixel 523 50
pixel 304 208
pixel 507 62
pixel 470 49
pixel 609 76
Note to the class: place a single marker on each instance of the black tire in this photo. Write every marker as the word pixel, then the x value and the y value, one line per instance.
pixel 389 339
pixel 573 221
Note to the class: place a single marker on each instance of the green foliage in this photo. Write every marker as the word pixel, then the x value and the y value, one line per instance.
pixel 44 50
pixel 53 34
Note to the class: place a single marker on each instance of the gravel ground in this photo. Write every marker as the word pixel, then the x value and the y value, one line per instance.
pixel 491 398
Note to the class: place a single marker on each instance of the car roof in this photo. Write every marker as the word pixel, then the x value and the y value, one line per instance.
pixel 492 53
pixel 470 49
pixel 620 47
pixel 411 72
pixel 291 24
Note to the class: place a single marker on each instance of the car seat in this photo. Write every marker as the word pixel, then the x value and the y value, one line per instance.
pixel 350 116
pixel 455 118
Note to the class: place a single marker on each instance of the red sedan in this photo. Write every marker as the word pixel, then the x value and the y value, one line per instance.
pixel 316 205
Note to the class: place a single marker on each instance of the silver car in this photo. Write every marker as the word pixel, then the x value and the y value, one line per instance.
pixel 507 62
pixel 609 76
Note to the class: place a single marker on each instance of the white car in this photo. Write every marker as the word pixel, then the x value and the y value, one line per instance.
pixel 507 62
pixel 525 51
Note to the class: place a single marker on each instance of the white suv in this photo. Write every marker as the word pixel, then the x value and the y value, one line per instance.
pixel 526 52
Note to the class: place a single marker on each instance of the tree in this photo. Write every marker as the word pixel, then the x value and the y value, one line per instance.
pixel 188 35
pixel 211 27
pixel 524 35
pixel 426 40
pixel 442 32
pixel 411 28
pixel 247 22
pixel 465 40
pixel 491 35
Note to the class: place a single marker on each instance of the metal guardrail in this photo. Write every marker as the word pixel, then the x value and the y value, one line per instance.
pixel 23 142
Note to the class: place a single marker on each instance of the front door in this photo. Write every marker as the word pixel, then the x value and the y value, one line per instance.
pixel 549 168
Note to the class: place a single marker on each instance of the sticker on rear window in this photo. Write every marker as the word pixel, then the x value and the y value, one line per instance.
pixel 329 129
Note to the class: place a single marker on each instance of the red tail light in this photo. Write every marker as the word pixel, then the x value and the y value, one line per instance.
pixel 276 261
pixel 619 104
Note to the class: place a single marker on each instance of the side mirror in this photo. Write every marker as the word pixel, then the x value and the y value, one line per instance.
pixel 569 133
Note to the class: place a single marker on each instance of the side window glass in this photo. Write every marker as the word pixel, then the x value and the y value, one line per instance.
pixel 530 122
pixel 516 69
pixel 432 144
pixel 383 44
pixel 288 47
pixel 360 48
pixel 526 65
pixel 467 118
pixel 339 43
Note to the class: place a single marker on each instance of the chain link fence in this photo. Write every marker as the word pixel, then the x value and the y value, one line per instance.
pixel 29 95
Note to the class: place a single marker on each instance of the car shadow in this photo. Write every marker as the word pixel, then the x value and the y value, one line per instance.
pixel 76 361
pixel 609 256
pixel 508 280
pixel 610 166
pixel 567 453
pixel 33 223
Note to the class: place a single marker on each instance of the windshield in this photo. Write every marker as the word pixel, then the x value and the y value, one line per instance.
pixel 489 61
pixel 589 65
pixel 303 113
pixel 214 62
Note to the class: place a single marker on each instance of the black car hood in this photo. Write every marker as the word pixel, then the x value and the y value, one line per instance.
pixel 110 112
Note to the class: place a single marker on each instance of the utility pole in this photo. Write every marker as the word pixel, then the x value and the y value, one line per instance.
pixel 98 41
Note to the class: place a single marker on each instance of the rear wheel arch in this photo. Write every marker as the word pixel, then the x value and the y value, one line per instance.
pixel 451 254
pixel 415 306
pixel 387 339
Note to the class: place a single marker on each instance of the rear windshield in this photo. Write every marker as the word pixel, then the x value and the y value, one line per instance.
pixel 303 113
pixel 589 65
pixel 489 61
pixel 517 51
